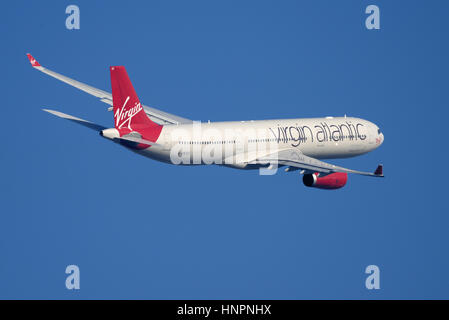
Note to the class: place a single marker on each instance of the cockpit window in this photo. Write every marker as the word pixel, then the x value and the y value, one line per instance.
pixel 378 131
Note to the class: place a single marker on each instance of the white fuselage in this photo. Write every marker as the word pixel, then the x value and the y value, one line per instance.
pixel 321 138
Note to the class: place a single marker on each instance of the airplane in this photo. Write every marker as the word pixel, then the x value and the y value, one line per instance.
pixel 296 144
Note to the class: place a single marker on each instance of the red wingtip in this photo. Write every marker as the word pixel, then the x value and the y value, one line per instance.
pixel 33 61
pixel 379 170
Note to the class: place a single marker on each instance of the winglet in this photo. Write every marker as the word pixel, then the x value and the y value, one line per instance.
pixel 33 61
pixel 379 170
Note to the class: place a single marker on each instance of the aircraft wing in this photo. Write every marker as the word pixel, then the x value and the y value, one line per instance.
pixel 155 115
pixel 296 159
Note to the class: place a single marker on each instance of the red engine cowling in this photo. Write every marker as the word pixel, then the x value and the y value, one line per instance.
pixel 331 181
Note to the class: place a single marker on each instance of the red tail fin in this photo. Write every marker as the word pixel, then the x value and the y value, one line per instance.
pixel 128 113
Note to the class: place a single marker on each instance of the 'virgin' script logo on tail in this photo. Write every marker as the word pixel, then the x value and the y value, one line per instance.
pixel 122 116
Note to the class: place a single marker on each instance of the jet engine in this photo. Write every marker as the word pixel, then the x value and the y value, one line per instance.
pixel 331 181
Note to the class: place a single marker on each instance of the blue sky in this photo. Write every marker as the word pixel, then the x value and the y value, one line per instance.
pixel 142 229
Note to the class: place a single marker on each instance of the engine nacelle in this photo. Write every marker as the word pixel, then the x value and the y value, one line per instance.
pixel 331 181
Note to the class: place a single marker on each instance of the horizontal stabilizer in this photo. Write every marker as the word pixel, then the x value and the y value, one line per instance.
pixel 82 122
pixel 137 140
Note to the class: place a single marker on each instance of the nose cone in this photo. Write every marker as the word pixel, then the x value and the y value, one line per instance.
pixel 379 139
